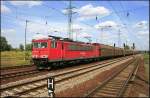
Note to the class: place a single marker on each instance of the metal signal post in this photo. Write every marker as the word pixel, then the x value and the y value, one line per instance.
pixel 25 39
pixel 119 40
pixel 50 86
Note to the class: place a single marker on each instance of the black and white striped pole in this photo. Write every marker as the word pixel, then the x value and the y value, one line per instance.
pixel 50 86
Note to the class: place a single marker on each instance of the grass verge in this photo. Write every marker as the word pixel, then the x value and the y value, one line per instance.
pixel 15 58
pixel 146 63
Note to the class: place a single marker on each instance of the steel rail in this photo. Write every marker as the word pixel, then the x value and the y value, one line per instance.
pixel 15 74
pixel 66 78
pixel 121 91
pixel 12 75
pixel 57 75
pixel 109 79
pixel 70 71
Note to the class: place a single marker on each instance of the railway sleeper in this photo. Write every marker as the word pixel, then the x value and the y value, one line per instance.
pixel 16 90
pixel 116 84
pixel 122 76
pixel 7 93
pixel 32 86
pixel 110 89
pixel 25 88
pixel 102 95
pixel 112 86
pixel 120 79
pixel 107 92
pixel 39 84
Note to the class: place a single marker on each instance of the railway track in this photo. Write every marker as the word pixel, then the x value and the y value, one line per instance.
pixel 14 67
pixel 31 86
pixel 17 71
pixel 115 85
pixel 16 74
pixel 11 75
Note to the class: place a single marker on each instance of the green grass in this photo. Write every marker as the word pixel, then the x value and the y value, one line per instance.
pixel 15 58
pixel 146 63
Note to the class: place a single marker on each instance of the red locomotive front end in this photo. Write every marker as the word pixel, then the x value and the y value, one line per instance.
pixel 46 52
pixel 40 52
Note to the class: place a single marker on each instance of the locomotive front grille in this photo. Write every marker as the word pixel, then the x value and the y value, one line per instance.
pixel 40 61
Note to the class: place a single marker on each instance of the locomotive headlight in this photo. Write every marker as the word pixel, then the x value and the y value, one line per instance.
pixel 44 56
pixel 34 56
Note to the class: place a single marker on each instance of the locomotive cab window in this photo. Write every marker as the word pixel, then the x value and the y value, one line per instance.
pixel 35 45
pixel 40 44
pixel 53 44
pixel 43 44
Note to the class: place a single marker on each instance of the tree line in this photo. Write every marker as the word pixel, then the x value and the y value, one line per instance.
pixel 4 46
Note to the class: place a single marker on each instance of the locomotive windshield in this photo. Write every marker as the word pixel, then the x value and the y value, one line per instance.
pixel 40 44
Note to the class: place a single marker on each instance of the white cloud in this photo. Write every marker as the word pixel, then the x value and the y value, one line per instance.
pixel 142 25
pixel 90 12
pixel 8 31
pixel 143 36
pixel 5 9
pixel 38 25
pixel 27 3
pixel 35 28
pixel 78 27
pixel 106 24
pixel 65 11
pixel 39 36
pixel 85 35
pixel 61 28
pixel 143 33
pixel 81 36
pixel 82 31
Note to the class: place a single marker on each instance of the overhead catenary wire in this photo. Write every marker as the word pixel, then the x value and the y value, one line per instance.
pixel 29 20
pixel 123 21
pixel 82 22
pixel 139 42
pixel 121 11
pixel 52 8
pixel 116 12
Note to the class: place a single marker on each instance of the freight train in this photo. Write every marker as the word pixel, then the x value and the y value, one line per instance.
pixel 55 51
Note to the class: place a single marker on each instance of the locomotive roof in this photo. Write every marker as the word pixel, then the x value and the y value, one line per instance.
pixel 61 39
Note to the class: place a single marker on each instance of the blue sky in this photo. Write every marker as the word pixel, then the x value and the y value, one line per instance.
pixel 111 17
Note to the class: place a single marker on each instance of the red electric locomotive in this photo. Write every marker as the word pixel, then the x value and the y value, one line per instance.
pixel 52 51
